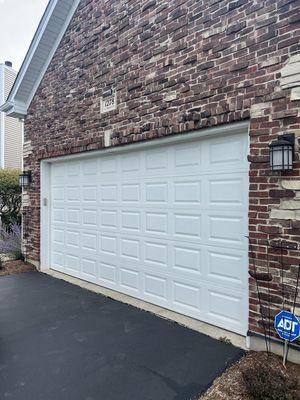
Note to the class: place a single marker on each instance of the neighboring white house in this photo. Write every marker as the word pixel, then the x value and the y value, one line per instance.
pixel 10 128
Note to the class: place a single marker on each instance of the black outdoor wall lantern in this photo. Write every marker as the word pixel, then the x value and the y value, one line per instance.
pixel 282 153
pixel 25 179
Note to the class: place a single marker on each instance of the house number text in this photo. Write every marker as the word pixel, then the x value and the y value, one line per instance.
pixel 108 103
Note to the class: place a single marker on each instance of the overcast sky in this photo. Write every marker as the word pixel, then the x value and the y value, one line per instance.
pixel 18 22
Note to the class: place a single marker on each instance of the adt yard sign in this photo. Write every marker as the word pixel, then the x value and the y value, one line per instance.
pixel 287 326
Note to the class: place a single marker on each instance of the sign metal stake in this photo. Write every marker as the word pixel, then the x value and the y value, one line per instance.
pixel 285 351
pixel 294 304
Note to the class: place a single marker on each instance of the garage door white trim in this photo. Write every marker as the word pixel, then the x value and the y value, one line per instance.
pixel 226 131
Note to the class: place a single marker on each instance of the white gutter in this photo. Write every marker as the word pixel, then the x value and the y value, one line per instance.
pixel 2 115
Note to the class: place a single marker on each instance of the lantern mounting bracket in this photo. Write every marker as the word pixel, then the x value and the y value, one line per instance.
pixel 289 137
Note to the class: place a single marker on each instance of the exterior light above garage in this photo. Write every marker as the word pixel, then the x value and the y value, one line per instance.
pixel 282 153
pixel 25 179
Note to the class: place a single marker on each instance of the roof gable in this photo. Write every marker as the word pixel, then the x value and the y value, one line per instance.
pixel 49 33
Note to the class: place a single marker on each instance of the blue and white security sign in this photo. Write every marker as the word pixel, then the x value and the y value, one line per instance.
pixel 287 325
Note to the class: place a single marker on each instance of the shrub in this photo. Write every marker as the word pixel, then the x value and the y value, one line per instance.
pixel 10 198
pixel 10 241
pixel 265 383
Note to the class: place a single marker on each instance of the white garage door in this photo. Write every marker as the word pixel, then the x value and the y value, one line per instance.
pixel 164 224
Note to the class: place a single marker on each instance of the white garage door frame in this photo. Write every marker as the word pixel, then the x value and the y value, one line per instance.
pixel 237 128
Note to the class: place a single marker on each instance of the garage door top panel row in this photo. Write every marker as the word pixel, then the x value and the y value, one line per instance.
pixel 216 155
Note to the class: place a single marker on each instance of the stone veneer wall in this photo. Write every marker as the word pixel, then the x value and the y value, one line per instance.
pixel 179 66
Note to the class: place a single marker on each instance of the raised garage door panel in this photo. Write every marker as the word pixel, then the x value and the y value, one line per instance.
pixel 166 224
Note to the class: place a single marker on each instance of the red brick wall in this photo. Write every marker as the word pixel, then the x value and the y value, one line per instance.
pixel 177 66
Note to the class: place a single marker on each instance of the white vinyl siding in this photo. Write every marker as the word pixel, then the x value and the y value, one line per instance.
pixel 9 78
pixel 12 143
pixel 11 129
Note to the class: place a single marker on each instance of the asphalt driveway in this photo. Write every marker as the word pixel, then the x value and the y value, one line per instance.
pixel 61 342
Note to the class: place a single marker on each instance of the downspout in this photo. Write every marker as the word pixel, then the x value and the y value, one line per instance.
pixel 2 114
pixel 22 169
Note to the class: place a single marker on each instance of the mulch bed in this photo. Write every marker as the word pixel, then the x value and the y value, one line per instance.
pixel 231 385
pixel 15 267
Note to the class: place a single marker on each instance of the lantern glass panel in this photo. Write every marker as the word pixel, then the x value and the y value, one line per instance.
pixel 282 158
pixel 26 180
pixel 277 158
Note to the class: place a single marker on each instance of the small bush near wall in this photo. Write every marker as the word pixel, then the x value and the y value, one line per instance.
pixel 10 241
pixel 10 198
